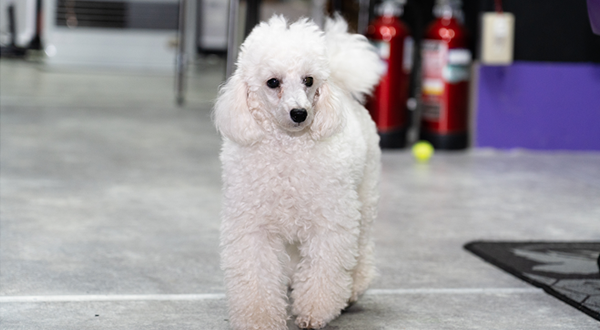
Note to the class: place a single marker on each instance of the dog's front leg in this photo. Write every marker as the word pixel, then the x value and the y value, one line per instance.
pixel 322 284
pixel 254 280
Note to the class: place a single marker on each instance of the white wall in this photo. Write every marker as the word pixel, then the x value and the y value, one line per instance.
pixel 145 49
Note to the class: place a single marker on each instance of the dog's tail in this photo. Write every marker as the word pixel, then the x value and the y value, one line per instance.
pixel 355 66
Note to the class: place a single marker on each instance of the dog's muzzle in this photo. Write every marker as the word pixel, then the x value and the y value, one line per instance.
pixel 298 115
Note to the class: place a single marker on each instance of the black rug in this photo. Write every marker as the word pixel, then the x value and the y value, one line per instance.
pixel 568 271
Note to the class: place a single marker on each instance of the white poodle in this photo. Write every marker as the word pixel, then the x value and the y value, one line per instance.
pixel 301 166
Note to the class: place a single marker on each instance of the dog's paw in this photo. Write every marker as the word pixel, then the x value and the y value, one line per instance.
pixel 307 322
pixel 356 294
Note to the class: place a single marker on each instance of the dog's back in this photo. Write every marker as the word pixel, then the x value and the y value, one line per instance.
pixel 355 66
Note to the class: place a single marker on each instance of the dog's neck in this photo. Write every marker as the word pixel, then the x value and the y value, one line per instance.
pixel 287 142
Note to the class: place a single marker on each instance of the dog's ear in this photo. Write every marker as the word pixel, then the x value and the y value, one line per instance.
pixel 231 114
pixel 329 114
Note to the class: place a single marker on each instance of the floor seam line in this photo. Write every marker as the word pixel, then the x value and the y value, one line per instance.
pixel 217 296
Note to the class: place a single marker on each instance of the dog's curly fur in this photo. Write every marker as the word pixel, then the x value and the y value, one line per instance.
pixel 299 198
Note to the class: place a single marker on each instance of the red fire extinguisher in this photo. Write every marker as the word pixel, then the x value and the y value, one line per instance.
pixel 394 44
pixel 445 79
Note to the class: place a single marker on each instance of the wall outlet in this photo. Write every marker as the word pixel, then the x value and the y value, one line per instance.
pixel 497 42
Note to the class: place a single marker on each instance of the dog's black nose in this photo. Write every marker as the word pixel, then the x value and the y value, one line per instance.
pixel 298 115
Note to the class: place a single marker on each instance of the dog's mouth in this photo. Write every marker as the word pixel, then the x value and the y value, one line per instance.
pixel 296 127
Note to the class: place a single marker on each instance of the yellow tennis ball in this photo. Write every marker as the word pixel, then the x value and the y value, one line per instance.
pixel 422 151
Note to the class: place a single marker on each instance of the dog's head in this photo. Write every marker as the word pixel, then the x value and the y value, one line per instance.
pixel 281 83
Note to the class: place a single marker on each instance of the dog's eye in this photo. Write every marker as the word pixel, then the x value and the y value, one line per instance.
pixel 273 83
pixel 308 81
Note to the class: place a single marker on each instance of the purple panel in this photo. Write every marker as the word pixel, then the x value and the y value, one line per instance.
pixel 537 105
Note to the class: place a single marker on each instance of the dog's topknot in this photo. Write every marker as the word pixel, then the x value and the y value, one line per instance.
pixel 354 64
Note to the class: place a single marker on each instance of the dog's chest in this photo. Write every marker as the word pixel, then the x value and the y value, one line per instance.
pixel 293 177
pixel 294 189
pixel 289 186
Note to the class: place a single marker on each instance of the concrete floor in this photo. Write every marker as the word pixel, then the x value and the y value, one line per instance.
pixel 110 197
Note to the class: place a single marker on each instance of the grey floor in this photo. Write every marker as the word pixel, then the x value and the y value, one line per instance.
pixel 110 198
